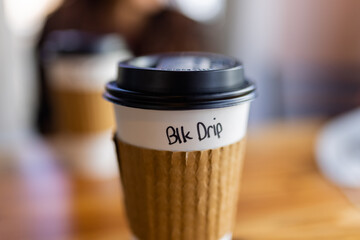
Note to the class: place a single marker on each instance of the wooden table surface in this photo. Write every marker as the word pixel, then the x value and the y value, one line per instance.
pixel 283 196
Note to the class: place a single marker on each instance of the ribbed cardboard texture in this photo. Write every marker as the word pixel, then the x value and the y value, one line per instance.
pixel 78 111
pixel 180 195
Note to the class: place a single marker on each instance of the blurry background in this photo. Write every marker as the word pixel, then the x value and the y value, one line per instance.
pixel 304 56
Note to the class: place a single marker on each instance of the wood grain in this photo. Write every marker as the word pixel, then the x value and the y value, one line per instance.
pixel 283 196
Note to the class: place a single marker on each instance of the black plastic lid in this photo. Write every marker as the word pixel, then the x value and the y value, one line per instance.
pixel 180 81
pixel 75 42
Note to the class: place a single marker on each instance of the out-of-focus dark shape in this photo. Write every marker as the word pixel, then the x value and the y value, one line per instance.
pixel 321 53
pixel 147 26
pixel 304 55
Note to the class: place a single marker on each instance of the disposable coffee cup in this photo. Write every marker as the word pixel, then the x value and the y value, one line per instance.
pixel 181 122
pixel 78 66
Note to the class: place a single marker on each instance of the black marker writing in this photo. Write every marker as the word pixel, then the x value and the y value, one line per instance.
pixel 204 131
pixel 174 136
pixel 180 135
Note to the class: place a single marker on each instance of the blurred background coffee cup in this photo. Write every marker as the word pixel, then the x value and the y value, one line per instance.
pixel 77 65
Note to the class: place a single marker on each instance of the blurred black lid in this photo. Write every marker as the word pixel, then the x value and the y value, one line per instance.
pixel 187 80
pixel 75 42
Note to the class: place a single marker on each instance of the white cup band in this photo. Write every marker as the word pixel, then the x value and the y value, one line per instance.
pixel 182 130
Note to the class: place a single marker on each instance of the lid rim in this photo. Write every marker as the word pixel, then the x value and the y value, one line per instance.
pixel 179 102
pixel 181 107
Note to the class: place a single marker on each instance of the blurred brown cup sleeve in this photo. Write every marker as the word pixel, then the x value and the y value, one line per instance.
pixel 81 111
